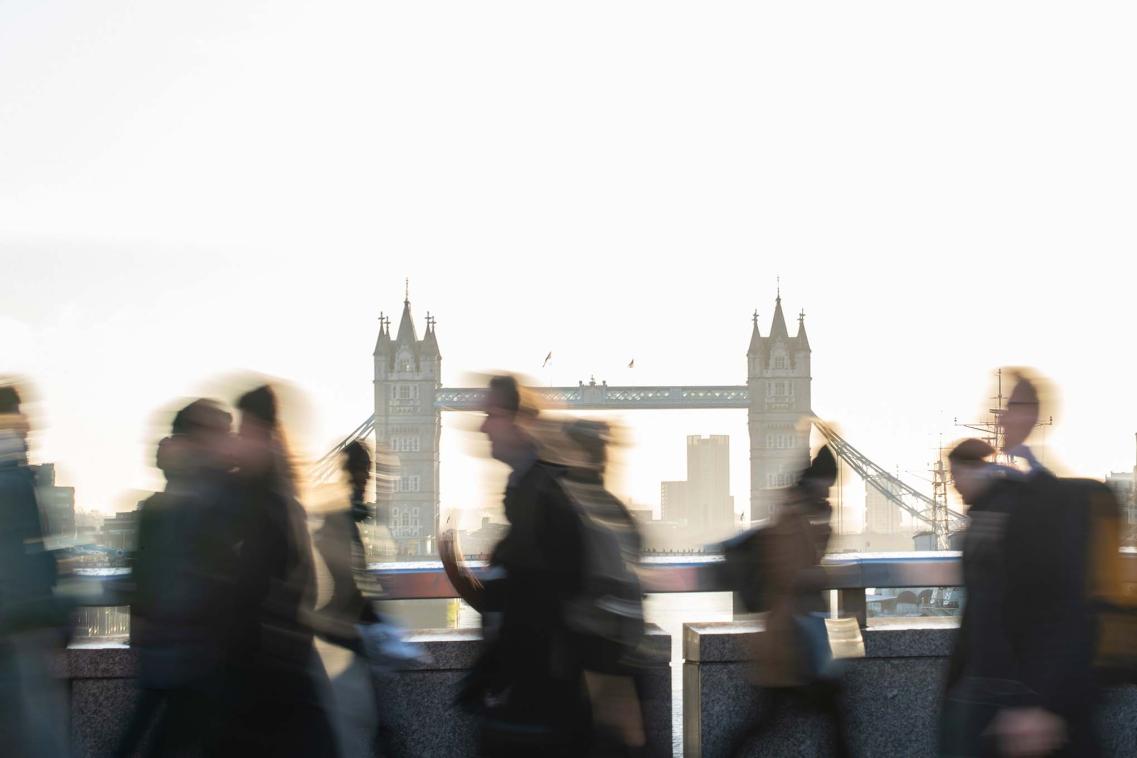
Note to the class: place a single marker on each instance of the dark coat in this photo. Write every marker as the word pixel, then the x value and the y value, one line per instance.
pixel 1026 627
pixel 277 682
pixel 27 570
pixel 792 548
pixel 184 572
pixel 529 662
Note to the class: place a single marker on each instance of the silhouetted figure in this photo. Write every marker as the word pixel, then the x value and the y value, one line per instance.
pixel 33 709
pixel 607 614
pixel 352 609
pixel 276 678
pixel 183 572
pixel 527 685
pixel 1020 679
pixel 341 545
pixel 792 661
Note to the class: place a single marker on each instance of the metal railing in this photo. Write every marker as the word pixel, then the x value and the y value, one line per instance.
pixel 850 574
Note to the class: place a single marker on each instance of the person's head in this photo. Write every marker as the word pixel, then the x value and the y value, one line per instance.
pixel 357 464
pixel 505 413
pixel 258 409
pixel 261 449
pixel 13 424
pixel 970 468
pixel 204 421
pixel 821 474
pixel 592 438
pixel 1021 414
pixel 198 437
pixel 9 400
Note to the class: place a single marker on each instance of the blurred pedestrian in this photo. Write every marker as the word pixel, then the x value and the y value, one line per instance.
pixel 183 595
pixel 351 618
pixel 33 707
pixel 1019 680
pixel 277 679
pixel 607 613
pixel 527 685
pixel 793 664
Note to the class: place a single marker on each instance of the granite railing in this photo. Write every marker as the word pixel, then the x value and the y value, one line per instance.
pixel 890 697
pixel 418 699
pixel 892 692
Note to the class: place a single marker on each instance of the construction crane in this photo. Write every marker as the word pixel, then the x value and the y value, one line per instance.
pixel 932 511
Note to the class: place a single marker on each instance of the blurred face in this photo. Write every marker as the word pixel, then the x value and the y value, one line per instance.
pixel 251 447
pixel 1018 421
pixel 175 456
pixel 971 480
pixel 507 441
pixel 206 444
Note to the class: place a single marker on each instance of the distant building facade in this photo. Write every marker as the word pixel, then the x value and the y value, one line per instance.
pixel 779 377
pixel 408 372
pixel 701 508
pixel 1121 482
pixel 882 516
pixel 56 504
pixel 673 501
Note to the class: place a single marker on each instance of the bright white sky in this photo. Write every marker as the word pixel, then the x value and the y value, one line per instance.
pixel 187 189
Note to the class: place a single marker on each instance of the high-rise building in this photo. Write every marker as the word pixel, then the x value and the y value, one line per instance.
pixel 882 516
pixel 709 504
pixel 673 501
pixel 1121 482
pixel 702 504
pixel 56 504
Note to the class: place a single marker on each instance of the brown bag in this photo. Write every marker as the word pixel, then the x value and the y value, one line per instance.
pixel 1113 599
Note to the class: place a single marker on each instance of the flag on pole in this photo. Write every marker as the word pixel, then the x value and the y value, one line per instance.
pixel 632 363
pixel 548 358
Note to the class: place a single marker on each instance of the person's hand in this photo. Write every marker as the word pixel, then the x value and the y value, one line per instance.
pixel 1028 732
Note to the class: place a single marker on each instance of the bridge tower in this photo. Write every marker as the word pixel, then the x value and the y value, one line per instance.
pixel 408 372
pixel 779 378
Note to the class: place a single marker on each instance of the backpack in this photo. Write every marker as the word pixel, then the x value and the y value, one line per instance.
pixel 1112 603
pixel 741 568
pixel 608 611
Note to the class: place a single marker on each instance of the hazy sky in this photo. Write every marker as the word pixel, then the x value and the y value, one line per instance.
pixel 187 189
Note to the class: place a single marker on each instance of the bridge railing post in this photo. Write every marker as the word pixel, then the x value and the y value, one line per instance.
pixel 851 602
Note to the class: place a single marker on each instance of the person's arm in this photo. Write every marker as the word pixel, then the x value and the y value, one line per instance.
pixel 465 583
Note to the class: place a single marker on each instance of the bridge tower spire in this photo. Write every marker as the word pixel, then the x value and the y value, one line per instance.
pixel 408 373
pixel 779 378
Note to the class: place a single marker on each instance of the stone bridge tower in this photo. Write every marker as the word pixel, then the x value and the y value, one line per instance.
pixel 779 377
pixel 408 371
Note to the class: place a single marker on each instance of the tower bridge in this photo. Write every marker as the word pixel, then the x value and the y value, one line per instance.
pixel 409 400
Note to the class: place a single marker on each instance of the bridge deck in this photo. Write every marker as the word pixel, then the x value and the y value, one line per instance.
pixel 599 397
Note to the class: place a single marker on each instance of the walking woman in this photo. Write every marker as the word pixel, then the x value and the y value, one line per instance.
pixel 279 682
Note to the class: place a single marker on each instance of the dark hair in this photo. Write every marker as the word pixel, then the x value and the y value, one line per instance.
pixel 970 452
pixel 356 457
pixel 592 436
pixel 199 415
pixel 1024 392
pixel 504 393
pixel 822 469
pixel 9 399
pixel 259 403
